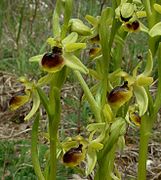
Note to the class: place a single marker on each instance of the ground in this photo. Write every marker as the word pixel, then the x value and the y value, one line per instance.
pixel 15 135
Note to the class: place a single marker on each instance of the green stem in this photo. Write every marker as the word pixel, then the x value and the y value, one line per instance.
pixel 106 165
pixel 90 98
pixel 157 103
pixel 54 119
pixel 67 15
pixel 145 132
pixel 34 151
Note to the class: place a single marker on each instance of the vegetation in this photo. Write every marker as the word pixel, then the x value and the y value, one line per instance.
pixel 114 96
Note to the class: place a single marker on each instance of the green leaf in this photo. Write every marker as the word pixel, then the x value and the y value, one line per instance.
pixel 155 30
pixel 35 106
pixel 71 38
pixel 74 63
pixel 91 161
pixel 34 148
pixel 141 98
pixel 36 58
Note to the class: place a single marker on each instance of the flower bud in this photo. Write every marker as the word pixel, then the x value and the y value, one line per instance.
pixel 119 95
pixel 53 61
pixel 74 156
pixel 78 26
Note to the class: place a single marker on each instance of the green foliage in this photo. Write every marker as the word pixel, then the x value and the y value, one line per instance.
pixel 112 98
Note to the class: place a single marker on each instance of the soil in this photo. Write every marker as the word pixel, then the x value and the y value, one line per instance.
pixel 13 127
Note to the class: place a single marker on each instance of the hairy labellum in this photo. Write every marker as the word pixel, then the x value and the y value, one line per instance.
pixel 119 95
pixel 53 61
pixel 18 101
pixel 95 39
pixel 134 116
pixel 73 156
pixel 134 26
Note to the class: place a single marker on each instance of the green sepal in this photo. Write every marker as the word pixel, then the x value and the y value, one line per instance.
pixel 91 160
pixel 92 20
pixel 95 126
pixel 155 30
pixel 74 63
pixel 71 38
pixel 35 106
pixel 141 98
pixel 157 7
pixel 144 80
pixel 36 58
pixel 70 47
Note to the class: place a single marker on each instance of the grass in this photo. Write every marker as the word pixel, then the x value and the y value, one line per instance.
pixel 15 161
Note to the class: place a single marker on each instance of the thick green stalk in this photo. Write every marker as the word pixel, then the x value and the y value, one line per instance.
pixel 34 151
pixel 95 108
pixel 145 132
pixel 54 119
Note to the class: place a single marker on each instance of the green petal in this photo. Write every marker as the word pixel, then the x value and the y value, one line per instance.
pixel 149 65
pixel 141 98
pixel 36 58
pixel 35 106
pixel 141 14
pixel 74 63
pixel 155 30
pixel 157 7
pixel 91 161
pixel 71 38
pixel 52 42
pixel 70 47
